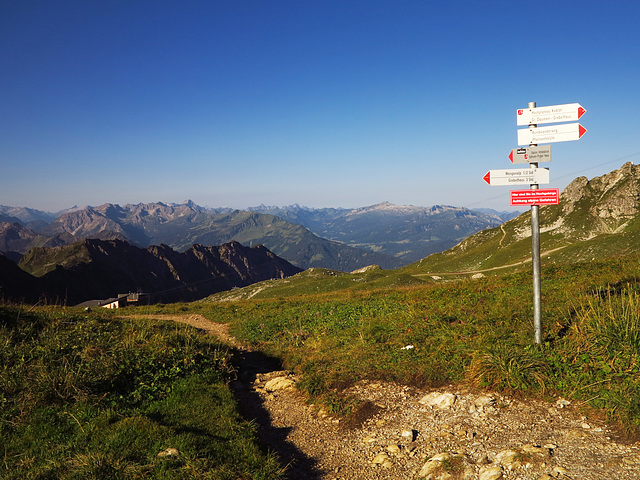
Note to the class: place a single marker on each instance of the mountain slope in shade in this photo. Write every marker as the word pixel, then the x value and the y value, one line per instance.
pixel 17 285
pixel 94 269
pixel 14 238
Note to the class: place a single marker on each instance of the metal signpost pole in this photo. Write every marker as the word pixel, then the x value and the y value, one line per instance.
pixel 535 258
pixel 534 176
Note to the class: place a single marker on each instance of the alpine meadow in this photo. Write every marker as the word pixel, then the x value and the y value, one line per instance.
pixel 131 393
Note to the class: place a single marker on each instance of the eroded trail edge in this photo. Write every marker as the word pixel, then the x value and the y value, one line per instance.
pixel 451 433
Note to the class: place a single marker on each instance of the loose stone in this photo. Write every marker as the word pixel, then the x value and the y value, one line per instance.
pixel 490 473
pixel 393 448
pixel 169 452
pixel 439 400
pixel 279 383
pixel 380 458
pixel 557 471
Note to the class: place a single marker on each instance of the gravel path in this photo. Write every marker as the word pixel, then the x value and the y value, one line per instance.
pixel 466 434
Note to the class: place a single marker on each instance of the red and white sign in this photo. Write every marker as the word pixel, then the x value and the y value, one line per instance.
pixel 569 112
pixel 557 133
pixel 542 196
pixel 519 176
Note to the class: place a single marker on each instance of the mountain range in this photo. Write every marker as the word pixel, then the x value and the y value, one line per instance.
pixel 596 219
pixel 405 232
pixel 340 239
pixel 96 269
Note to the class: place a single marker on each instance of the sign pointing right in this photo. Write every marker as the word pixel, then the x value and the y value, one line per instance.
pixel 569 112
pixel 556 133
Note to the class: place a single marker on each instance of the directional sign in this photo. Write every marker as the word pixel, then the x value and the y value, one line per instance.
pixel 554 134
pixel 543 196
pixel 569 112
pixel 531 154
pixel 517 176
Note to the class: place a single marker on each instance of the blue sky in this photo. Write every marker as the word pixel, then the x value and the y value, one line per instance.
pixel 325 103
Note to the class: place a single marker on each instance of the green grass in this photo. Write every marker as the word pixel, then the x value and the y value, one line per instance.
pixel 470 332
pixel 96 397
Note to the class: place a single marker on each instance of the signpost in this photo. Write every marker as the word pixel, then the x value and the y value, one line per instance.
pixel 531 154
pixel 553 114
pixel 517 176
pixel 552 134
pixel 546 196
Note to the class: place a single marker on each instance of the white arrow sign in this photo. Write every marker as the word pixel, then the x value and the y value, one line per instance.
pixel 531 154
pixel 554 134
pixel 517 176
pixel 569 112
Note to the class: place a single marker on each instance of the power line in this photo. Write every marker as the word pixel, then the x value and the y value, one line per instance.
pixel 572 175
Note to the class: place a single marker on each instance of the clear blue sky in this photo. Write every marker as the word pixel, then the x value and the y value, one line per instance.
pixel 324 103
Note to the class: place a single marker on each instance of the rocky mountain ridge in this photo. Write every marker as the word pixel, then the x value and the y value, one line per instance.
pixel 597 218
pixel 97 269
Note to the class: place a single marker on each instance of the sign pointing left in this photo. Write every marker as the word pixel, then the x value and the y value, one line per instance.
pixel 531 154
pixel 518 176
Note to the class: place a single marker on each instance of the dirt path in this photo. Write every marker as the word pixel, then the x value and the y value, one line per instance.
pixel 469 435
pixel 470 272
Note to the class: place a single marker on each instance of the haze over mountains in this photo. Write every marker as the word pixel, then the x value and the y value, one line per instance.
pixel 596 219
pixel 341 239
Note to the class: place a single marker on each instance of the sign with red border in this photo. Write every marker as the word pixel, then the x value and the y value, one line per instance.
pixel 542 196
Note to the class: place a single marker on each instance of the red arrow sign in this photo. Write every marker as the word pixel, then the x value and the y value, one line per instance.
pixel 581 130
pixel 487 178
pixel 526 157
pixel 569 112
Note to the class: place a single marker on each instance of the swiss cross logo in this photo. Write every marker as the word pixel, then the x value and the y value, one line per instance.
pixel 526 156
pixel 520 112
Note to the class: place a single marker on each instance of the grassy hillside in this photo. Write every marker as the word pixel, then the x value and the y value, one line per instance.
pixel 89 396
pixel 510 246
pixel 40 261
pixel 473 332
pixel 319 280
pixel 93 396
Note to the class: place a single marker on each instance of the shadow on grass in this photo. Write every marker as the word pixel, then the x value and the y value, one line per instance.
pixel 250 363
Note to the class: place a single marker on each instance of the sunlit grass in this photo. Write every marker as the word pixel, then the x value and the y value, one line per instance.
pixel 471 332
pixel 91 396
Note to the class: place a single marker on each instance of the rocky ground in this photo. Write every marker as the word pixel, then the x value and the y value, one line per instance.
pixel 402 432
